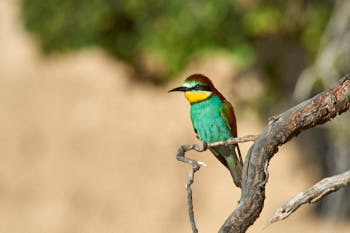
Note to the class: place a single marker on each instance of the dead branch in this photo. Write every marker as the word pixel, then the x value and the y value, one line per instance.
pixel 310 195
pixel 280 129
pixel 196 165
pixel 193 169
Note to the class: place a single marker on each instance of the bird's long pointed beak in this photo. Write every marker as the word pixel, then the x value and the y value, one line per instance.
pixel 179 89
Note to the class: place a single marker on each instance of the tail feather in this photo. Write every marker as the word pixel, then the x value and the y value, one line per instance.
pixel 227 156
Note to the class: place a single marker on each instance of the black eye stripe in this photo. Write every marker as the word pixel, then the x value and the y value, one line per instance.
pixel 201 88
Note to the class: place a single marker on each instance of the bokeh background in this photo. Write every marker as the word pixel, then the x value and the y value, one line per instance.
pixel 88 132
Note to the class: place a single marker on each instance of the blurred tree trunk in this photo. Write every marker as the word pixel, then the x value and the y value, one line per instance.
pixel 331 150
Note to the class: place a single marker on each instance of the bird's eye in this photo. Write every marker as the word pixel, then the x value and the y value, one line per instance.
pixel 197 86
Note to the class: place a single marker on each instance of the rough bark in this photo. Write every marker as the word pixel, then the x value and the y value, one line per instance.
pixel 197 164
pixel 281 129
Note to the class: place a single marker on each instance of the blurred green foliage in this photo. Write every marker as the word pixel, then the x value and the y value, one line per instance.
pixel 172 31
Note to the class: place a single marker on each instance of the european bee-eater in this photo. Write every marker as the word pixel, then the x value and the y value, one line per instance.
pixel 213 120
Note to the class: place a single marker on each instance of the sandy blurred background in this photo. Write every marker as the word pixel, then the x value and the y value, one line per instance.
pixel 84 148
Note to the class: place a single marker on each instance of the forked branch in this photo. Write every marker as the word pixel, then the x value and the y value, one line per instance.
pixel 280 130
pixel 196 165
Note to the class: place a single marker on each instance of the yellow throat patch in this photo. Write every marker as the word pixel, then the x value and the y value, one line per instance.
pixel 197 96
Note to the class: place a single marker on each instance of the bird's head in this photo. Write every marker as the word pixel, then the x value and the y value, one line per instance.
pixel 197 88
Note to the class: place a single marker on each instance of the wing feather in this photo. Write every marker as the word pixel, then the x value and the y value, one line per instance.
pixel 227 113
pixel 229 117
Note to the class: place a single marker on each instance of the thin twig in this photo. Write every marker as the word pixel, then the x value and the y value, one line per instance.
pixel 193 169
pixel 231 141
pixel 184 148
pixel 310 195
pixel 197 164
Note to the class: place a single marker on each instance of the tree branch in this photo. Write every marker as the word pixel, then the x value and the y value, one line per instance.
pixel 197 164
pixel 310 195
pixel 282 128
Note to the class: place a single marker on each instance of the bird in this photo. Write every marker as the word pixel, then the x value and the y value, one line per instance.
pixel 213 120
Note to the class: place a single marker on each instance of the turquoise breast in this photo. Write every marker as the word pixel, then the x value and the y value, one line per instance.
pixel 207 120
